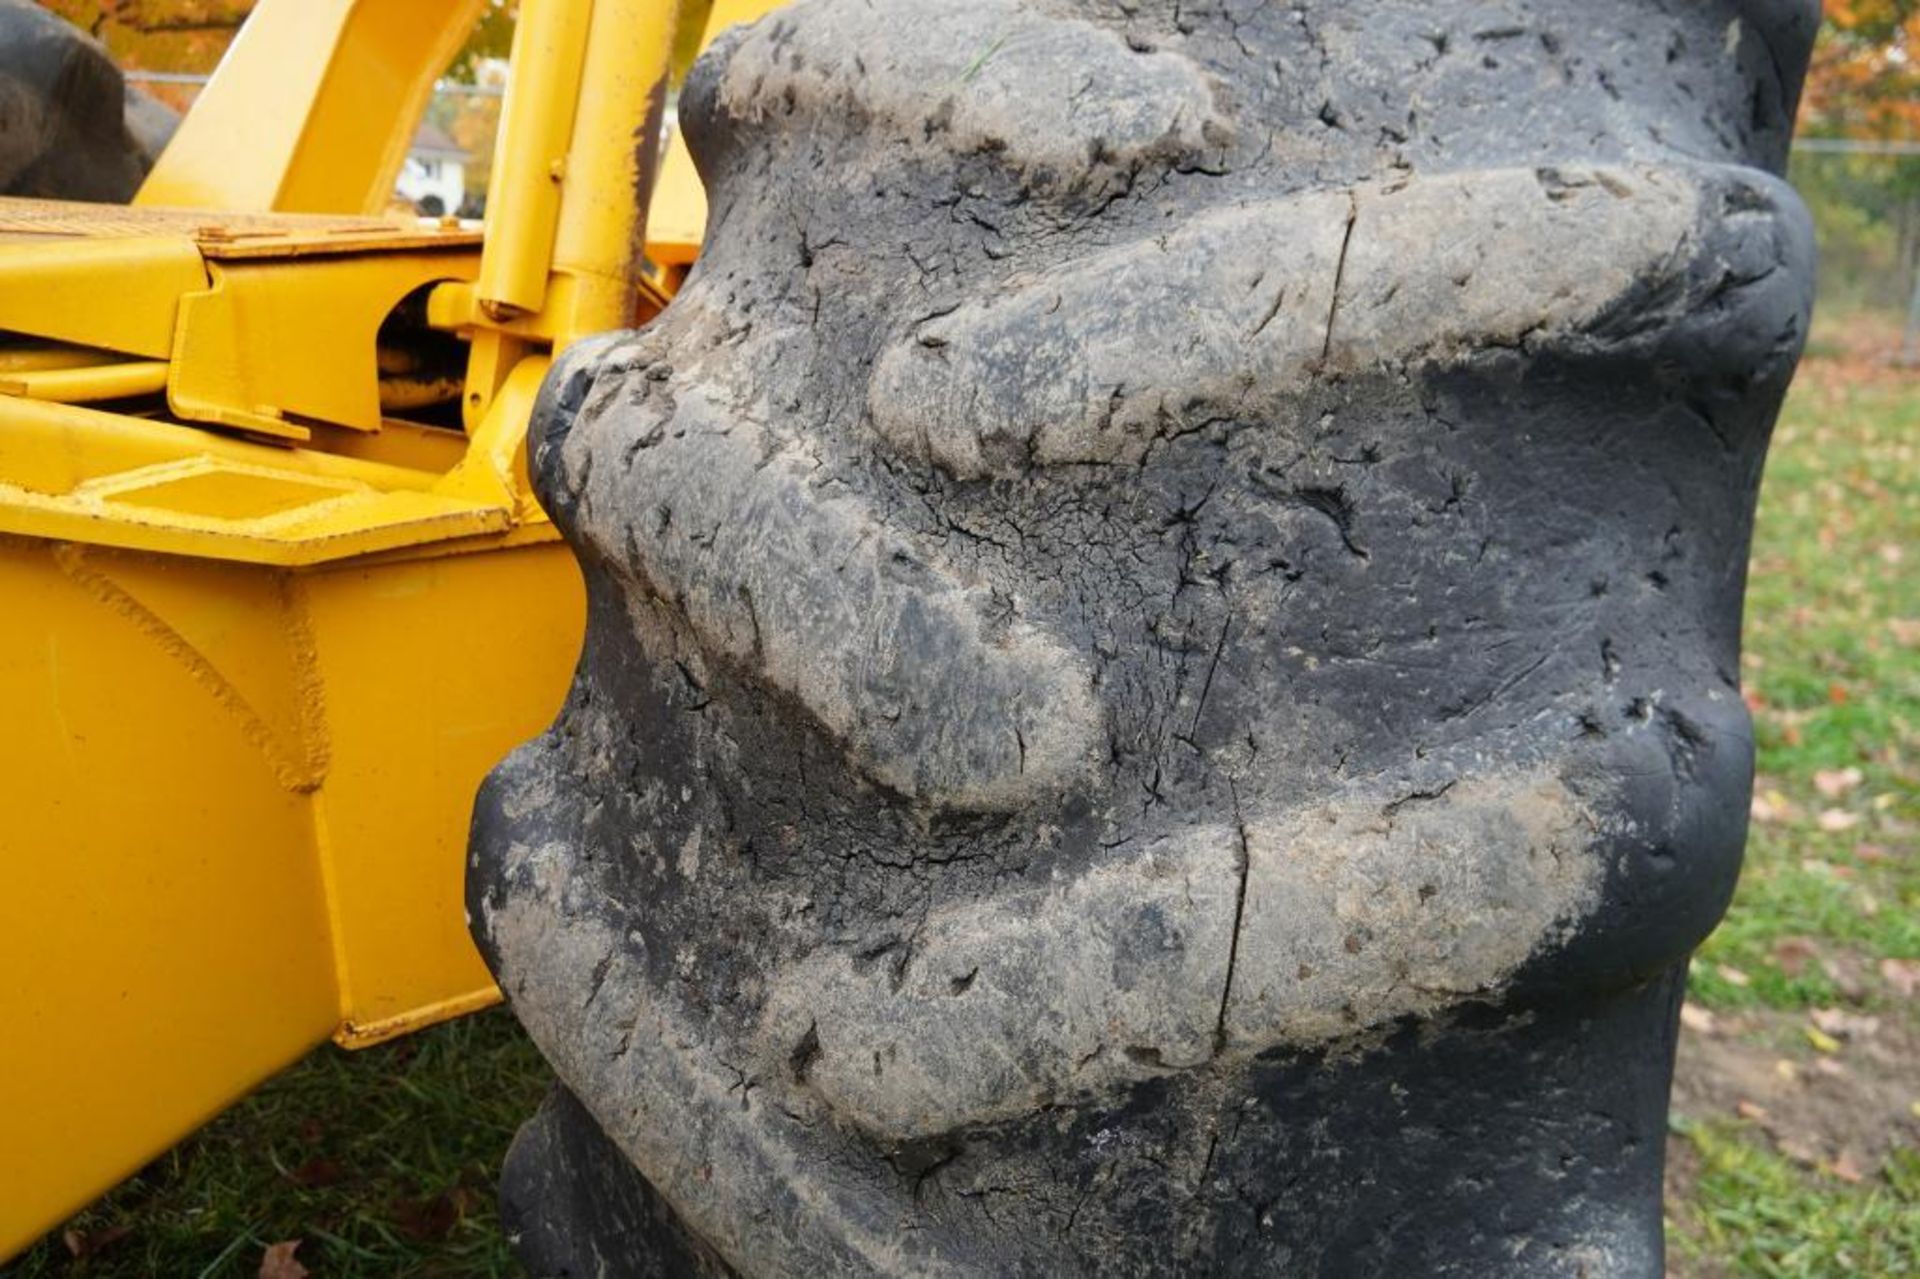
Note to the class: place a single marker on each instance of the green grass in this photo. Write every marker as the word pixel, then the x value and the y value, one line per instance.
pixel 383 1162
pixel 1756 1214
pixel 1833 674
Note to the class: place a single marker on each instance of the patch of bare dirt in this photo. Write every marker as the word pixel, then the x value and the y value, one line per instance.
pixel 1834 1089
pixel 1854 349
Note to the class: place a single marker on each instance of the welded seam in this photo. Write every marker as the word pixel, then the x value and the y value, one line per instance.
pixel 299 775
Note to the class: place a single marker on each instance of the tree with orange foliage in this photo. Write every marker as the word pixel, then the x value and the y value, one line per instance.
pixel 175 36
pixel 1865 79
pixel 1864 87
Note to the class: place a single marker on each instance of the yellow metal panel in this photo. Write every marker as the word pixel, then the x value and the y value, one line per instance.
pixel 733 13
pixel 55 449
pixel 318 535
pixel 294 337
pixel 235 147
pixel 163 941
pixel 677 216
pixel 222 492
pixel 421 448
pixel 72 473
pixel 434 669
pixel 236 825
pixel 495 468
pixel 376 89
pixel 677 219
pixel 313 106
pixel 337 529
pixel 118 294
pixel 246 639
pixel 492 356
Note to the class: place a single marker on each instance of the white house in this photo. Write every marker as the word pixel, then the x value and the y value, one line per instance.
pixel 434 176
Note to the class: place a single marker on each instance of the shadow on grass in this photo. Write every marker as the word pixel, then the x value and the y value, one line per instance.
pixel 381 1162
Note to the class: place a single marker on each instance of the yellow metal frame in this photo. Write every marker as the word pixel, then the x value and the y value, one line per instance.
pixel 238 821
pixel 262 636
pixel 312 108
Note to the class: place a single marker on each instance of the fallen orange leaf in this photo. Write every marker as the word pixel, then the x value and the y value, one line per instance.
pixel 1846 1169
pixel 1792 954
pixel 1835 782
pixel 1696 1019
pixel 279 1262
pixel 1844 1025
pixel 1835 820
pixel 83 1246
pixel 1901 974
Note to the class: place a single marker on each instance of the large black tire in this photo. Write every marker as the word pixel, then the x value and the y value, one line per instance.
pixel 1161 692
pixel 63 113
